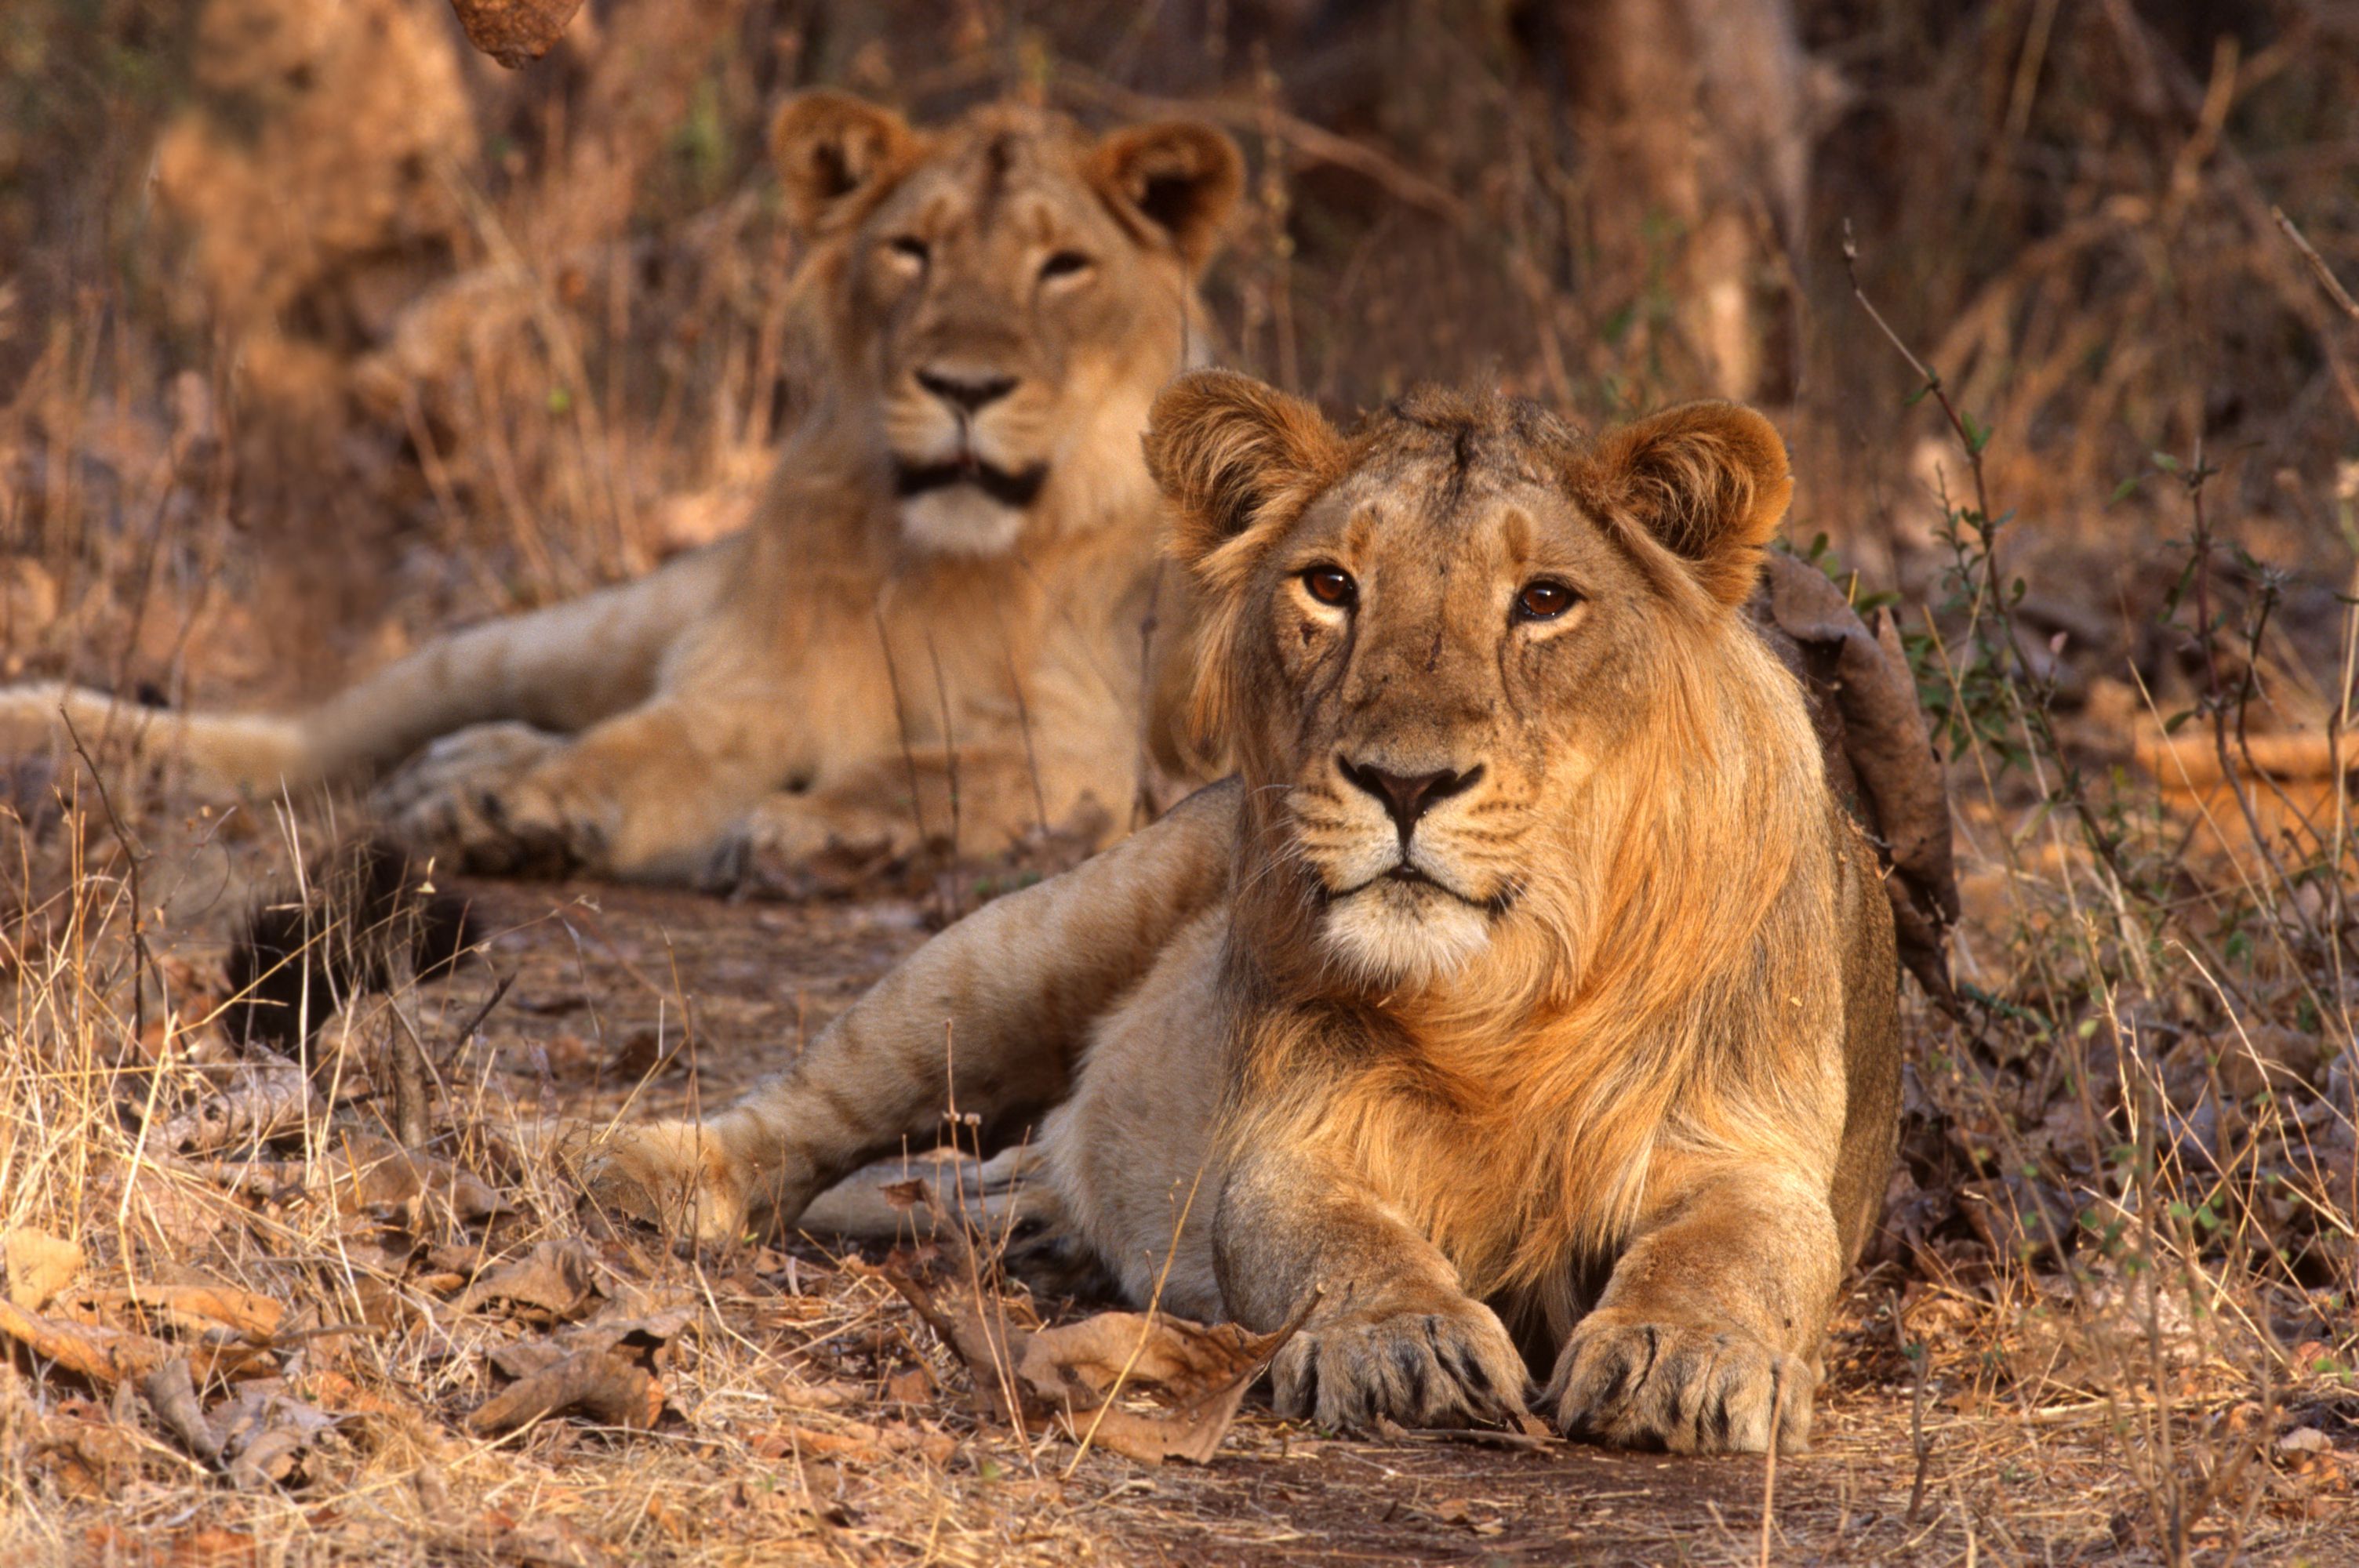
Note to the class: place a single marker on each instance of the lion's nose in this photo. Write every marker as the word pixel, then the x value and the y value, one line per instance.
pixel 1408 797
pixel 969 393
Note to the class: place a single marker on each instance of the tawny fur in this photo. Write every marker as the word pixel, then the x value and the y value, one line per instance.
pixel 946 623
pixel 1588 1063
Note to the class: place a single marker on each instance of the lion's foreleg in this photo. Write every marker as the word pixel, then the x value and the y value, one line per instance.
pixel 1392 1333
pixel 985 1020
pixel 1711 1322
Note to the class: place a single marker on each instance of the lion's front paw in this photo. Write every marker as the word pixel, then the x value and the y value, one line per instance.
pixel 672 1174
pixel 1689 1387
pixel 486 798
pixel 1442 1360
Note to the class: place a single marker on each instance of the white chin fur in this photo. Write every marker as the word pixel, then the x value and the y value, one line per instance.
pixel 961 520
pixel 1391 934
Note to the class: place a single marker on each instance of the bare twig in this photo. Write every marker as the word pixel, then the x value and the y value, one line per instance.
pixel 132 857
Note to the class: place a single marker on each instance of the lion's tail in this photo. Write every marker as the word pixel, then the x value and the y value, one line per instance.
pixel 241 751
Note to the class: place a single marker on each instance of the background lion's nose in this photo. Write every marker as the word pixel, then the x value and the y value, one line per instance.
pixel 966 393
pixel 1407 797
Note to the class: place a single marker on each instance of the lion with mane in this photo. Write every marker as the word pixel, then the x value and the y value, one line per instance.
pixel 938 624
pixel 1525 1007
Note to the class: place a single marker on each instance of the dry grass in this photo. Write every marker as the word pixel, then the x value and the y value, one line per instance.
pixel 2113 1316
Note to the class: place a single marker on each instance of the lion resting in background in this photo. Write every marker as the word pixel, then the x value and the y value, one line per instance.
pixel 938 627
pixel 1528 996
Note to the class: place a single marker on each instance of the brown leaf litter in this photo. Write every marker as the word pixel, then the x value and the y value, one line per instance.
pixel 1076 1374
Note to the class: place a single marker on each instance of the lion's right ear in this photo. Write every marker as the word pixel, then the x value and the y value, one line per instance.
pixel 834 152
pixel 1235 459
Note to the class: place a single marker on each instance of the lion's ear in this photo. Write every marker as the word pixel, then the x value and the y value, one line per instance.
pixel 832 147
pixel 1181 176
pixel 1708 481
pixel 1233 455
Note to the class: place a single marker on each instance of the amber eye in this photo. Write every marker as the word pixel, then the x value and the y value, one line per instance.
pixel 1331 585
pixel 909 248
pixel 1064 263
pixel 1544 600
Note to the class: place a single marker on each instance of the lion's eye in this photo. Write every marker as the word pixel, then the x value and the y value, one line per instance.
pixel 911 249
pixel 1544 600
pixel 1331 585
pixel 1064 263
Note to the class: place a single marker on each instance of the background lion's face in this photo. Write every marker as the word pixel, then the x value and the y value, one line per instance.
pixel 1436 644
pixel 1014 294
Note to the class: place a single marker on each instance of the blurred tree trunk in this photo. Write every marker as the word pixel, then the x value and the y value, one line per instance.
pixel 1698 116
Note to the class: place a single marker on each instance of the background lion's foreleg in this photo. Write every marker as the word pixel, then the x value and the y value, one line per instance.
pixel 651 794
pixel 988 1018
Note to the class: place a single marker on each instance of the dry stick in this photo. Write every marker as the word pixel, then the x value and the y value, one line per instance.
pixel 1315 143
pixel 1002 1363
pixel 1769 1460
pixel 2337 908
pixel 1142 799
pixel 1023 717
pixel 901 724
pixel 1916 1410
pixel 132 857
pixel 950 747
pixel 2326 278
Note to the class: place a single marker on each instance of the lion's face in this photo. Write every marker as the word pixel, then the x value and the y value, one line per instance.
pixel 1012 294
pixel 1436 642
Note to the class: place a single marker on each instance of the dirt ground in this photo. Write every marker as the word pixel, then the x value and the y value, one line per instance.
pixel 817 1420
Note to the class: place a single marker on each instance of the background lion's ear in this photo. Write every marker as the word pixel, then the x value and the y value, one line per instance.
pixel 1231 453
pixel 832 147
pixel 1707 481
pixel 1181 176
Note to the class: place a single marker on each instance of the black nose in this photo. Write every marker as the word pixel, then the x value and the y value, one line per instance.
pixel 970 393
pixel 1407 797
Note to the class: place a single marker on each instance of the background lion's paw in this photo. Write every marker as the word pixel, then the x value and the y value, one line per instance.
pixel 792 847
pixel 485 799
pixel 1438 1362
pixel 1689 1387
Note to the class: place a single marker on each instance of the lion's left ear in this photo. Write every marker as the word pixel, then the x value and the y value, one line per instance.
pixel 1182 176
pixel 1708 481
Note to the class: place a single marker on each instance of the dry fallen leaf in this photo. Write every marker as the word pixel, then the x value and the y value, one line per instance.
pixel 83 1449
pixel 1195 1375
pixel 39 1266
pixel 514 32
pixel 558 1279
pixel 198 1307
pixel 609 1389
pixel 605 1368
